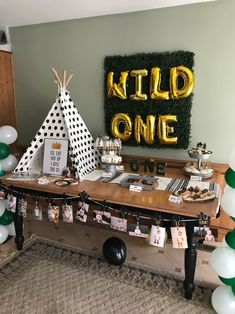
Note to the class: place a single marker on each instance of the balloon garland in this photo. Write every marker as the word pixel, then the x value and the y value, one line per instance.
pixel 8 162
pixel 223 258
pixel 6 222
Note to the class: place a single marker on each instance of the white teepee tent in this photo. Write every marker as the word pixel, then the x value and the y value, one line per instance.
pixel 62 122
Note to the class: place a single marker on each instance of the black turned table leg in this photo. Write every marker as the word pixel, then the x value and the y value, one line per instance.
pixel 190 259
pixel 18 222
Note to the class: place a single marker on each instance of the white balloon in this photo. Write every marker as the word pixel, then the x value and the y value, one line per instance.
pixel 11 229
pixel 223 300
pixel 9 163
pixel 222 260
pixel 3 206
pixel 8 134
pixel 224 243
pixel 227 187
pixel 228 202
pixel 3 234
pixel 232 160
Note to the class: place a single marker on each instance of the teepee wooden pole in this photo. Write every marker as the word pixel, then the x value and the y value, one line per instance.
pixel 64 79
pixel 68 80
pixel 57 78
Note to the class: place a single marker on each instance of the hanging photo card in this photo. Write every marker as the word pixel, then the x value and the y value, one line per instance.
pixel 157 236
pixel 179 237
pixel 119 223
pixel 55 156
pixel 102 217
pixel 137 230
pixel 82 211
pixel 11 203
pixel 67 213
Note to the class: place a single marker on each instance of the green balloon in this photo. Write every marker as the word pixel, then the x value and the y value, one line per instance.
pixel 228 281
pixel 6 218
pixel 4 150
pixel 233 288
pixel 2 173
pixel 230 177
pixel 230 238
pixel 233 218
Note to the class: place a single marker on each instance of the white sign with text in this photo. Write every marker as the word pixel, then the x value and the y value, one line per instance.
pixel 55 156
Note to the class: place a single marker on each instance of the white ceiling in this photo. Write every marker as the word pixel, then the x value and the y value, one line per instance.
pixel 26 12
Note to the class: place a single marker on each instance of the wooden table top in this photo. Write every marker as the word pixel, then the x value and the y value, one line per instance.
pixel 155 200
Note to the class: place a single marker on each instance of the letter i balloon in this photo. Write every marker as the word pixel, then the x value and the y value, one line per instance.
pixel 223 258
pixel 8 162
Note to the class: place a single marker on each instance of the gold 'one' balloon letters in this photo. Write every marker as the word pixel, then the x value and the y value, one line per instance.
pixel 140 129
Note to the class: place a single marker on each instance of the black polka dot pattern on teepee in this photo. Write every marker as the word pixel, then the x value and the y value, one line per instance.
pixel 63 121
pixel 82 150
pixel 52 127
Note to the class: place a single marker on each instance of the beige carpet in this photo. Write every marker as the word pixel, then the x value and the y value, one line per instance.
pixel 48 278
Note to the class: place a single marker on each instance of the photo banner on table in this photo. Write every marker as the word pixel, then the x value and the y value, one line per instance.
pixel 148 98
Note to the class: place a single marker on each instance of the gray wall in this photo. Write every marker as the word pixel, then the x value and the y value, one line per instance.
pixel 80 46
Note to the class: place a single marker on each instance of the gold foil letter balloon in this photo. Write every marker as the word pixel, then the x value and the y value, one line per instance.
pixel 155 83
pixel 138 84
pixel 121 119
pixel 164 129
pixel 146 130
pixel 118 90
pixel 188 79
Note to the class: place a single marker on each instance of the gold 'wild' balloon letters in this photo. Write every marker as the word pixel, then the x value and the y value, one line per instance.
pixel 119 90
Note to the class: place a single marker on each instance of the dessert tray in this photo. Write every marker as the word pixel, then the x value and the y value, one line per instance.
pixel 146 182
pixel 198 154
pixel 195 194
pixel 198 168
pixel 205 171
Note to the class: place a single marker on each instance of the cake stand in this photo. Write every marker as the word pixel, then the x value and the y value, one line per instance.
pixel 199 170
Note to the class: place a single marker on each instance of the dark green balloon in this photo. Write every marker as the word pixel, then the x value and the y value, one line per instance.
pixel 233 288
pixel 233 218
pixel 230 238
pixel 2 173
pixel 228 281
pixel 6 218
pixel 230 177
pixel 4 150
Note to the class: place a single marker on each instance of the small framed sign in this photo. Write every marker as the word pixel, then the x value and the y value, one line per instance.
pixel 55 156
